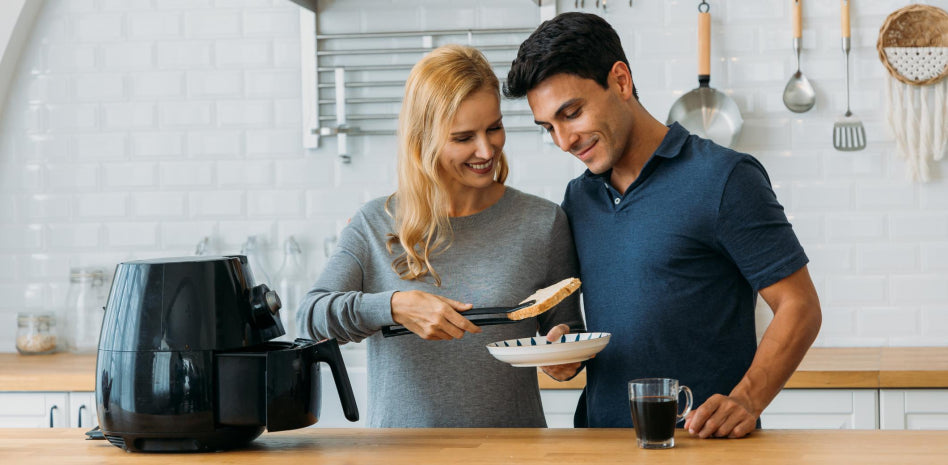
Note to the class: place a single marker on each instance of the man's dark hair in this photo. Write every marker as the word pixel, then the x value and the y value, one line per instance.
pixel 581 44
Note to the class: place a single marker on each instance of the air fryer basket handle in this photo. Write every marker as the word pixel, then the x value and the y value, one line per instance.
pixel 328 351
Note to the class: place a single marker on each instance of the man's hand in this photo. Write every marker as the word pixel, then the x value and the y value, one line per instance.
pixel 722 416
pixel 560 372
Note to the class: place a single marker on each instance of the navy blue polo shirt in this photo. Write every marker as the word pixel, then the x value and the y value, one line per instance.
pixel 672 266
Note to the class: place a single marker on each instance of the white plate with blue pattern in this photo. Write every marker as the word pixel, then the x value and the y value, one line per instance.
pixel 537 351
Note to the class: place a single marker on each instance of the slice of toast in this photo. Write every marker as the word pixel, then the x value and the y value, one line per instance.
pixel 546 298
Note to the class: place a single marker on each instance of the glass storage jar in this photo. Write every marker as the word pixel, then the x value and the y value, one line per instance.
pixel 84 309
pixel 35 333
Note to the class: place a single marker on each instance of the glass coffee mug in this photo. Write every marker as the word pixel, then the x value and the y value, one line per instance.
pixel 654 405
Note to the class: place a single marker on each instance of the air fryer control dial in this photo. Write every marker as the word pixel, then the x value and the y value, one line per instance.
pixel 273 301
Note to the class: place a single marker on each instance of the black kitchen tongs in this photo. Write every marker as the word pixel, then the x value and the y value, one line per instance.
pixel 479 316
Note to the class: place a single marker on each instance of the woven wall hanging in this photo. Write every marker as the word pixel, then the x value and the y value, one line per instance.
pixel 913 46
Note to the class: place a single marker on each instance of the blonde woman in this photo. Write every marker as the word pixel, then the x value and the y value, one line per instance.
pixel 451 237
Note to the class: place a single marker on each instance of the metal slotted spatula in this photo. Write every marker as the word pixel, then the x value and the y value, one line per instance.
pixel 848 133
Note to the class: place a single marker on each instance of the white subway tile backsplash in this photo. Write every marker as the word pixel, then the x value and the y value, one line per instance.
pixel 70 58
pixel 190 174
pixel 215 83
pixel 135 115
pixel 212 23
pixel 918 226
pixel 273 83
pixel 61 118
pixel 163 144
pixel 75 236
pixel 270 22
pixel 816 196
pixel 71 177
pixel 856 228
pixel 99 27
pixel 185 235
pixel 284 203
pixel 101 146
pixel 130 175
pixel 128 55
pixel 243 173
pixel 125 235
pixel 215 144
pixel 934 256
pixel 135 128
pixel 20 237
pixel 187 114
pixel 217 204
pixel 865 289
pixel 96 206
pixel 245 113
pixel 155 84
pixel 888 258
pixel 919 289
pixel 886 196
pixel 154 25
pixel 243 53
pixel 184 55
pixel 887 322
pixel 40 207
pixel 100 87
pixel 273 143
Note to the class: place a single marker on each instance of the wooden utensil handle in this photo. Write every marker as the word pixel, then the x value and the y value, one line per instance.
pixel 796 9
pixel 704 44
pixel 844 19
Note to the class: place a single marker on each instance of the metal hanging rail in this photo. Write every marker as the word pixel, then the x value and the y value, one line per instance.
pixel 336 55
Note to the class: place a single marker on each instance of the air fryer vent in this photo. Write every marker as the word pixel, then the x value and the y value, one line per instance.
pixel 116 441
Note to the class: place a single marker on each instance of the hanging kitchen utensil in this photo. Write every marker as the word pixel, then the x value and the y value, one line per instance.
pixel 848 132
pixel 705 111
pixel 538 302
pixel 798 95
pixel 913 46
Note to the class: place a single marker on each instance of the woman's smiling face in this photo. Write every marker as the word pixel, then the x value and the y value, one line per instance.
pixel 475 139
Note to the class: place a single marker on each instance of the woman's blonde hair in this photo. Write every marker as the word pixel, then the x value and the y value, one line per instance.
pixel 433 92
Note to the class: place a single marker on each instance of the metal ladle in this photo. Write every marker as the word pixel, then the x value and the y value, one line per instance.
pixel 799 95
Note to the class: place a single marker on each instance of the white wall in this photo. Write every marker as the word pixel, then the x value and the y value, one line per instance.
pixel 136 127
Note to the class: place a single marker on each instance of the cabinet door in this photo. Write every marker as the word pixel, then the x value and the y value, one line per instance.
pixel 34 410
pixel 822 409
pixel 914 409
pixel 559 406
pixel 82 410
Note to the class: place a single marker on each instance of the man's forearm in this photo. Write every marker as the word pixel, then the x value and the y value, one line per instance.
pixel 784 344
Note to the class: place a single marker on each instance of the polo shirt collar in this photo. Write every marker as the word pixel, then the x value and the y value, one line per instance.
pixel 669 148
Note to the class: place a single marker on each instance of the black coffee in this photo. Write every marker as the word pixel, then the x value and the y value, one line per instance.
pixel 654 417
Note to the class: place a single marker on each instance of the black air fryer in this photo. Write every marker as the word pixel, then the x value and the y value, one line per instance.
pixel 186 363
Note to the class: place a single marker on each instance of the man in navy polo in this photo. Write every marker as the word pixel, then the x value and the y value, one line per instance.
pixel 676 236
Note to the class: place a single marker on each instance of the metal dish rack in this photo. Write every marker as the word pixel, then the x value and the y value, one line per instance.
pixel 353 83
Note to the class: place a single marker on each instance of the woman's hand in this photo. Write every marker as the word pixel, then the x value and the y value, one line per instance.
pixel 431 316
pixel 560 372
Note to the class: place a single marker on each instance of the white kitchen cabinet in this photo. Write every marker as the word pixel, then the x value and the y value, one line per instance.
pixel 34 410
pixel 914 409
pixel 47 410
pixel 823 409
pixel 82 410
pixel 559 406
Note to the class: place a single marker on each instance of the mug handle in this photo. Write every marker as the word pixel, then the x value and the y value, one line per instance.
pixel 687 391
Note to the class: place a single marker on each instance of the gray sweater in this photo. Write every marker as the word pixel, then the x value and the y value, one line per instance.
pixel 498 257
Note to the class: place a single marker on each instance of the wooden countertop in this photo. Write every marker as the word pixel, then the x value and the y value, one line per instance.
pixel 500 446
pixel 869 367
pixel 849 367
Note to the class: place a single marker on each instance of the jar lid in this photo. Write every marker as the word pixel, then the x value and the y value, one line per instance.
pixel 23 317
pixel 85 273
